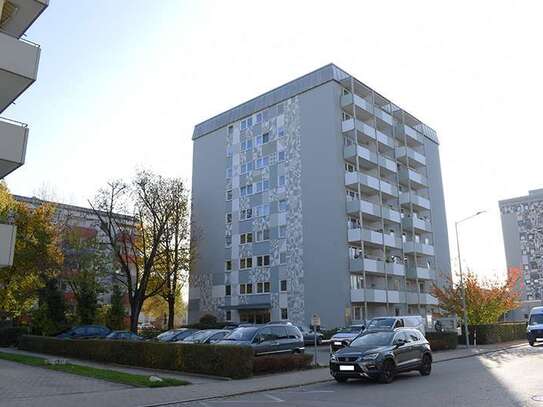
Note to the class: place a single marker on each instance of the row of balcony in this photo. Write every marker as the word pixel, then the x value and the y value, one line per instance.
pixel 355 235
pixel 348 126
pixel 349 100
pixel 377 211
pixel 391 296
pixel 380 267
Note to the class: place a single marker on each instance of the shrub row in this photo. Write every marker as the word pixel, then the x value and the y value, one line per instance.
pixel 496 333
pixel 236 362
pixel 10 336
pixel 442 340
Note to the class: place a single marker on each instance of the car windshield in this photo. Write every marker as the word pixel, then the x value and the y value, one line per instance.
pixel 197 336
pixel 165 336
pixel 241 334
pixel 381 323
pixel 536 319
pixel 374 339
pixel 350 330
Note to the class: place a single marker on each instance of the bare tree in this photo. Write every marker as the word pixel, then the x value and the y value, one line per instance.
pixel 137 239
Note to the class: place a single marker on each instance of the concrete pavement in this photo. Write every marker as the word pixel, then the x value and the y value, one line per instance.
pixel 206 391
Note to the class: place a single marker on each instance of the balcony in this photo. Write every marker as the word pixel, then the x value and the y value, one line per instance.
pixel 389 189
pixel 397 269
pixel 414 222
pixel 388 164
pixel 20 15
pixel 416 200
pixel 386 140
pixel 13 139
pixel 384 116
pixel 377 295
pixel 422 298
pixel 376 266
pixel 416 247
pixel 415 158
pixel 367 181
pixel 348 100
pixel 7 244
pixel 371 236
pixel 349 126
pixel 413 136
pixel 418 272
pixel 371 209
pixel 364 154
pixel 416 179
pixel 18 68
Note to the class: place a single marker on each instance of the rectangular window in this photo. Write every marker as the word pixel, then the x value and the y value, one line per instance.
pixel 249 289
pixel 246 190
pixel 245 214
pixel 284 313
pixel 349 167
pixel 267 287
pixel 263 260
pixel 345 116
pixel 282 231
pixel 249 122
pixel 280 132
pixel 247 145
pixel 243 125
pixel 246 238
pixel 229 195
pixel 357 282
pixel 228 240
pixel 283 285
pixel 259 288
pixel 246 263
pixel 229 217
pixel 227 290
pixel 242 288
pixel 282 258
pixel 281 181
pixel 228 315
pixel 281 156
pixel 263 210
pixel 228 265
pixel 283 205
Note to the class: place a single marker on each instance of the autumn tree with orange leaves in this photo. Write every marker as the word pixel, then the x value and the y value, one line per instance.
pixel 486 301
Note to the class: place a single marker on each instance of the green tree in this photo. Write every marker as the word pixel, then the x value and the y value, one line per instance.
pixel 116 313
pixel 50 316
pixel 37 258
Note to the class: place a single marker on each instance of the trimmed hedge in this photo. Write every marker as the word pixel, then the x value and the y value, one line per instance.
pixel 10 336
pixel 496 333
pixel 442 340
pixel 221 360
pixel 281 363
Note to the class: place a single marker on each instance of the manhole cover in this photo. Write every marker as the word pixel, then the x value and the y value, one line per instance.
pixel 538 397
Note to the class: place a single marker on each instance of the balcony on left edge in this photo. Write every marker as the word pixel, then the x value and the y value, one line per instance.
pixel 7 244
pixel 13 141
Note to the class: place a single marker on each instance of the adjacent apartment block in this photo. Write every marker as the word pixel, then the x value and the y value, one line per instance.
pixel 320 196
pixel 522 226
pixel 18 70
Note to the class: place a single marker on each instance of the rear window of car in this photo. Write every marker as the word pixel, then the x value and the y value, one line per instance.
pixel 382 323
pixel 279 332
pixel 292 332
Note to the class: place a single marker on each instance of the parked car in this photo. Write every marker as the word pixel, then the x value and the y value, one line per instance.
pixel 85 332
pixel 309 336
pixel 145 325
pixel 534 330
pixel 267 339
pixel 123 336
pixel 206 336
pixel 382 354
pixel 344 336
pixel 414 321
pixel 175 335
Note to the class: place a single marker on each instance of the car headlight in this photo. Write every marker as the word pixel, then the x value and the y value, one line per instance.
pixel 370 356
pixel 333 358
pixel 528 329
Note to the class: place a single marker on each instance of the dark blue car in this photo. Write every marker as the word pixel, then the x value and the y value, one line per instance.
pixel 86 332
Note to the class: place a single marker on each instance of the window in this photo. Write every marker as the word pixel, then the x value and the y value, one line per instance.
pixel 259 288
pixel 228 265
pixel 228 315
pixel 258 117
pixel 246 263
pixel 247 144
pixel 345 116
pixel 228 240
pixel 282 231
pixel 281 181
pixel 267 287
pixel 246 238
pixel 262 186
pixel 352 195
pixel 280 132
pixel 262 162
pixel 227 290
pixel 354 252
pixel 283 258
pixel 249 288
pixel 249 122
pixel 284 313
pixel 283 205
pixel 262 235
pixel 357 312
pixel 281 156
pixel 229 195
pixel 262 139
pixel 245 168
pixel 421 287
pixel 229 172
pixel 243 125
pixel 349 167
pixel 246 190
pixel 263 260
pixel 357 281
pixel 246 214
pixel 263 210
pixel 229 217
pixel 283 285
pixel 242 288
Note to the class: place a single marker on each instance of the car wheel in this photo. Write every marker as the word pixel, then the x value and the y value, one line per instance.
pixel 531 343
pixel 426 367
pixel 340 379
pixel 388 373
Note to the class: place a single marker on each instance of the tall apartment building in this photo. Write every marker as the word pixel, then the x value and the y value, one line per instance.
pixel 18 70
pixel 522 227
pixel 320 196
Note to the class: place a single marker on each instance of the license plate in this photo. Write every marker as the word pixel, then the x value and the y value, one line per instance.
pixel 349 368
pixel 338 343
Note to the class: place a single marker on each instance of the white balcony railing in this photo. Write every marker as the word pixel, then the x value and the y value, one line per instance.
pixel 7 244
pixel 13 141
pixel 415 157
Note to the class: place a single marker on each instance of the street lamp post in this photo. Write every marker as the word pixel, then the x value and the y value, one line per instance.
pixel 464 308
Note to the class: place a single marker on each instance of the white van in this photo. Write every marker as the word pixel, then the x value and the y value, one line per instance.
pixel 534 330
pixel 410 321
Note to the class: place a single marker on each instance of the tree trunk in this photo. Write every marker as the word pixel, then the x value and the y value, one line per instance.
pixel 171 311
pixel 135 309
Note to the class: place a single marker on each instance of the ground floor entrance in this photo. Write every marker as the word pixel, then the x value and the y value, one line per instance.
pixel 254 316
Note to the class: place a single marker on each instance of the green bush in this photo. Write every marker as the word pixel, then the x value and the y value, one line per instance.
pixel 496 333
pixel 442 340
pixel 10 336
pixel 327 334
pixel 281 363
pixel 229 361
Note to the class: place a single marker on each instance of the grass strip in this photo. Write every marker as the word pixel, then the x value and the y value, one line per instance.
pixel 93 372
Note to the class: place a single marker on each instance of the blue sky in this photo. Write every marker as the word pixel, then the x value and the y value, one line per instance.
pixel 122 83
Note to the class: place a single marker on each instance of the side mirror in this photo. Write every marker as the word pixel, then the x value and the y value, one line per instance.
pixel 399 342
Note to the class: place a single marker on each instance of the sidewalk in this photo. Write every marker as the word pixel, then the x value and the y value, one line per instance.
pixel 204 391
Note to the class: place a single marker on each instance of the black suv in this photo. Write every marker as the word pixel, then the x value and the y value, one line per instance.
pixel 267 339
pixel 381 355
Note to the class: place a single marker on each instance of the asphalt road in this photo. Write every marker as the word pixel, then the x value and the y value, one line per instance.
pixel 506 378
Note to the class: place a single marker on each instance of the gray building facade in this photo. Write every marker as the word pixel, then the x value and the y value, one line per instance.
pixel 320 196
pixel 522 227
